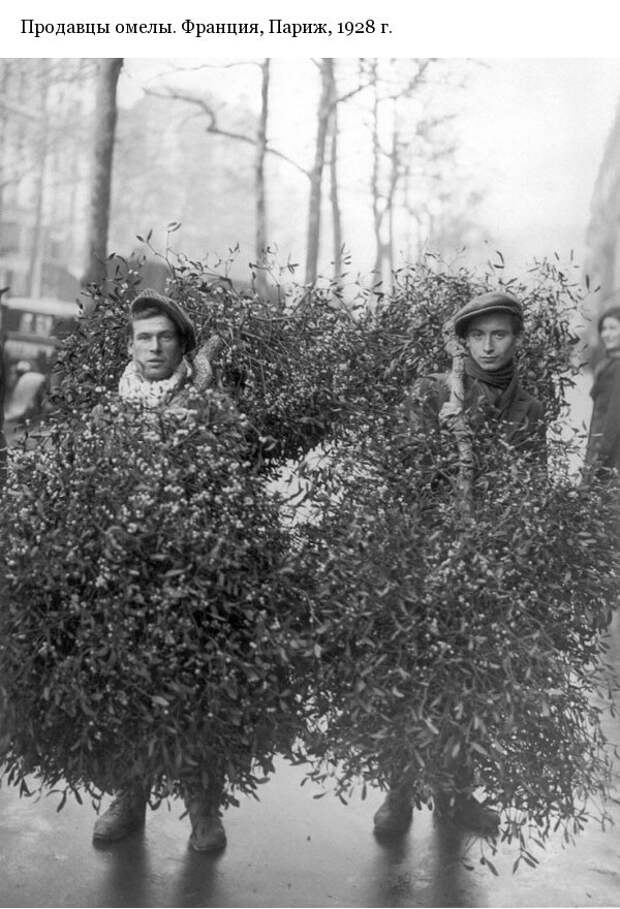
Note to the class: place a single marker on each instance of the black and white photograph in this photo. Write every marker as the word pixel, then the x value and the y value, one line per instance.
pixel 309 458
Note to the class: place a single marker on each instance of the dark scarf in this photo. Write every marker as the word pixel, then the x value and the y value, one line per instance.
pixel 497 387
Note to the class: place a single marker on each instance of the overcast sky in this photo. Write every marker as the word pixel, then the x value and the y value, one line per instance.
pixel 536 129
pixel 531 134
pixel 532 129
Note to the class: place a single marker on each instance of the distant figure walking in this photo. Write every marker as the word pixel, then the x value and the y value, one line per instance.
pixel 26 399
pixel 603 449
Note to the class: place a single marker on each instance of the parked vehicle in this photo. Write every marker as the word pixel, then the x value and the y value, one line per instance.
pixel 30 328
pixel 29 332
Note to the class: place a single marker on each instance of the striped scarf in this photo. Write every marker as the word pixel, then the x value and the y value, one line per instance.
pixel 135 389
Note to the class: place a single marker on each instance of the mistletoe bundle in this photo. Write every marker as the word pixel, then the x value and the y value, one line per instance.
pixel 460 647
pixel 158 617
pixel 146 605
pixel 463 649
pixel 282 360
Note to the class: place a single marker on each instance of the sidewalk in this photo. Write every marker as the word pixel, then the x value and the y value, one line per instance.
pixel 290 849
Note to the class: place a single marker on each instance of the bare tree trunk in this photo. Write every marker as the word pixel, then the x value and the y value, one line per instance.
pixel 105 128
pixel 259 170
pixel 374 173
pixel 37 250
pixel 73 193
pixel 375 177
pixel 389 207
pixel 4 82
pixel 334 197
pixel 326 103
pixel 39 236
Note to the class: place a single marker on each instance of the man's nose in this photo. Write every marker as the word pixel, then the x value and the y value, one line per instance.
pixel 488 342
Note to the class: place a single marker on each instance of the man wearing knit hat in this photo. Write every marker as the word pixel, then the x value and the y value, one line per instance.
pixel 159 377
pixel 495 410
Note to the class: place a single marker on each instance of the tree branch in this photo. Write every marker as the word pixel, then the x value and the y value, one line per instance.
pixel 214 129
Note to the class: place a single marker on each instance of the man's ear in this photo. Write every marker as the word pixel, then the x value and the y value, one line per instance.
pixel 130 346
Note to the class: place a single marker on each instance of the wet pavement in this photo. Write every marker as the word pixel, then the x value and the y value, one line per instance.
pixel 292 849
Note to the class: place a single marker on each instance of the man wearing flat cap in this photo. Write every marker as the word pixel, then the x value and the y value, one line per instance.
pixel 489 328
pixel 495 411
pixel 160 336
pixel 159 377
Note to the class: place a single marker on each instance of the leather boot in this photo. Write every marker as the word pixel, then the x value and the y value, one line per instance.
pixel 208 832
pixel 126 814
pixel 395 814
pixel 467 812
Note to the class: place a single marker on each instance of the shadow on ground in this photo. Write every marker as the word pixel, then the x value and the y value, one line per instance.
pixel 291 849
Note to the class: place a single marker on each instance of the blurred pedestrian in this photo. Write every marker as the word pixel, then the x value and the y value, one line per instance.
pixel 26 398
pixel 3 451
pixel 603 448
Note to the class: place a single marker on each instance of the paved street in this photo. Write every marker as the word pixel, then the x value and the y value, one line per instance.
pixel 290 849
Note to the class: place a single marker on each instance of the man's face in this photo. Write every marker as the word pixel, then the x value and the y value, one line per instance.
pixel 491 341
pixel 610 334
pixel 155 347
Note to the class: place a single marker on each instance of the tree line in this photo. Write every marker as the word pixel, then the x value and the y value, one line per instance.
pixel 82 174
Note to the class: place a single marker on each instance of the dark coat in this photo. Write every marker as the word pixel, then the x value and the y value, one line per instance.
pixel 2 438
pixel 521 425
pixel 603 448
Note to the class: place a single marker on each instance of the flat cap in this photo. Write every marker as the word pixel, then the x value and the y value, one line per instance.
pixel 484 305
pixel 152 299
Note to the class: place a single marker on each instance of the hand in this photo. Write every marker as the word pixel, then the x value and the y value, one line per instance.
pixel 452 344
pixel 451 417
pixel 449 412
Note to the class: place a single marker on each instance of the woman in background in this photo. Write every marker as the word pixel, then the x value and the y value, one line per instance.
pixel 2 436
pixel 603 450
